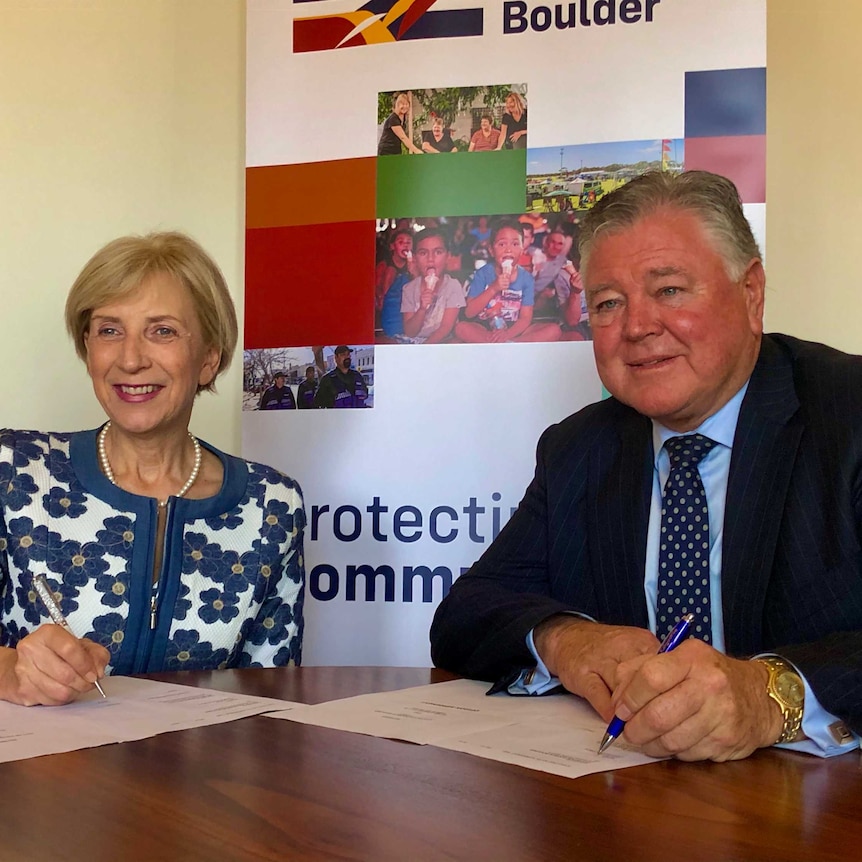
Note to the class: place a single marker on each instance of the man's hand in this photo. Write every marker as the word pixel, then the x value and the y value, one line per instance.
pixel 50 667
pixel 575 282
pixel 585 655
pixel 696 704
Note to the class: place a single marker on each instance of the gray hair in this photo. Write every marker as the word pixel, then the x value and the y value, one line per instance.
pixel 712 198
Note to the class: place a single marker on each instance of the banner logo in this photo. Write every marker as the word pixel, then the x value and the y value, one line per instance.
pixel 380 21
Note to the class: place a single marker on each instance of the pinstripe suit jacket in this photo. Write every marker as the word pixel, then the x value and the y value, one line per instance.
pixel 792 548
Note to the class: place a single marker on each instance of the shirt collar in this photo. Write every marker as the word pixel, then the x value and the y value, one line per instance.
pixel 721 426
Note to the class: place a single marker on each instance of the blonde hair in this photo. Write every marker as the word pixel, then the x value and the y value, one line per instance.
pixel 519 101
pixel 119 268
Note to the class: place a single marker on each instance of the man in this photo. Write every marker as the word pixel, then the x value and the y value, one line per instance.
pixel 575 587
pixel 555 275
pixel 430 303
pixel 343 386
pixel 390 278
pixel 278 396
pixel 525 261
pixel 307 389
pixel 486 138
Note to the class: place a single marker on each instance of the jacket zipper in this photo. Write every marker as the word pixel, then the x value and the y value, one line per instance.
pixel 154 598
pixel 143 661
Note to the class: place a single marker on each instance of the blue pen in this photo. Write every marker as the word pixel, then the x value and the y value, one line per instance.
pixel 675 637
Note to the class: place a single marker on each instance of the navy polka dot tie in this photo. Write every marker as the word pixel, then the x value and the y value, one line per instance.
pixel 683 560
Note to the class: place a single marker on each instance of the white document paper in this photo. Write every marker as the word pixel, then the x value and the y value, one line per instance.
pixel 558 734
pixel 134 709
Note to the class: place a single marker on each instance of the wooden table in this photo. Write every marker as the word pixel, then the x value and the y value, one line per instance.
pixel 265 789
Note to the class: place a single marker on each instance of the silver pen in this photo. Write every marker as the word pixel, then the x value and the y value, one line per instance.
pixel 44 593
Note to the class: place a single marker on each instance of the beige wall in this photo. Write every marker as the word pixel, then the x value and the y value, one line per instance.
pixel 814 183
pixel 116 116
pixel 127 115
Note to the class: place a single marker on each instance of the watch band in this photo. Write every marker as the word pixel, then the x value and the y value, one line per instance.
pixel 786 689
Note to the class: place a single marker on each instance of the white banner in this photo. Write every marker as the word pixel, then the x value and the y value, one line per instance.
pixel 402 497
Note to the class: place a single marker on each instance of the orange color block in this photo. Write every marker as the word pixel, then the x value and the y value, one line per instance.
pixel 313 193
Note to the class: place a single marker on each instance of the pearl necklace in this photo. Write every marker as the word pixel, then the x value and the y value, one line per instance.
pixel 109 473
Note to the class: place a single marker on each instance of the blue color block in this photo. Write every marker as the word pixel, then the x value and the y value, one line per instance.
pixel 725 102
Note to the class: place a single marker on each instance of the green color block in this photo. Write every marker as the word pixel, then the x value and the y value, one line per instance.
pixel 450 184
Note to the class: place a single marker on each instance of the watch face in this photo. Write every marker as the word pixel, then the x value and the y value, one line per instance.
pixel 790 689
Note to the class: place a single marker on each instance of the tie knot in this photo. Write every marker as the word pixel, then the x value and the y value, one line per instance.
pixel 687 451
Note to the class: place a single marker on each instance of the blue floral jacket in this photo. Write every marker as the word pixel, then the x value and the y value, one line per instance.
pixel 231 585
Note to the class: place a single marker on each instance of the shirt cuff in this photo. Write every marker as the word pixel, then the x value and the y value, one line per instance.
pixel 538 680
pixel 827 734
pixel 534 681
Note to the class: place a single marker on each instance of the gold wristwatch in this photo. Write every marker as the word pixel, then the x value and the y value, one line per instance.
pixel 786 689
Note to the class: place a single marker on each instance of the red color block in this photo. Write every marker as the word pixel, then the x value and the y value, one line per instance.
pixel 309 284
pixel 320 34
pixel 741 159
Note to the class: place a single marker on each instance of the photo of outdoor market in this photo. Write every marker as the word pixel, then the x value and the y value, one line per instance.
pixel 572 178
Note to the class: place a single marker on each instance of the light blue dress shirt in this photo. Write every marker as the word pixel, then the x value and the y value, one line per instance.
pixel 714 471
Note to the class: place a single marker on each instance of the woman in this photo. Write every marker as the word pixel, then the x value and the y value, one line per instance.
pixel 438 140
pixel 393 134
pixel 513 125
pixel 163 552
pixel 500 297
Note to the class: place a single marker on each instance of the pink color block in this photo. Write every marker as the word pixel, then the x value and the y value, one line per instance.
pixel 741 159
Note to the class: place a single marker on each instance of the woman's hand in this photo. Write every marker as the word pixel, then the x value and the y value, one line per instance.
pixel 402 136
pixel 504 131
pixel 50 667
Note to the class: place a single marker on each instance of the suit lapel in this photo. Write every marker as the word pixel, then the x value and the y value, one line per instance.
pixel 620 487
pixel 764 450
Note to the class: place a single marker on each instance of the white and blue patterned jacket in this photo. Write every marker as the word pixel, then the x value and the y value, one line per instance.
pixel 231 585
